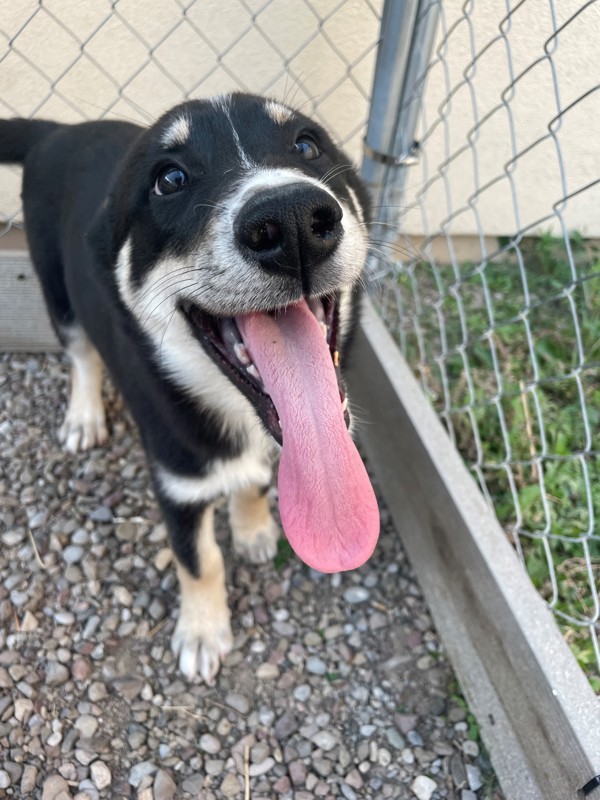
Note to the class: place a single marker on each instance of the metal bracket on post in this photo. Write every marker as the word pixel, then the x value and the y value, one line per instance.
pixel 407 160
pixel 407 32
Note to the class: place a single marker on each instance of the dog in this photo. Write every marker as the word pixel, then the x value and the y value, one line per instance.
pixel 213 263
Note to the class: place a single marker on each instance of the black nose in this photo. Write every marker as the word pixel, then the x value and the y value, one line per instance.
pixel 290 229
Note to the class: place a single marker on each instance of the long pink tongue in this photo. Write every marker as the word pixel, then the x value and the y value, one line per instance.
pixel 327 505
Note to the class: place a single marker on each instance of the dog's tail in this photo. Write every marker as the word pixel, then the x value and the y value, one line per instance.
pixel 18 136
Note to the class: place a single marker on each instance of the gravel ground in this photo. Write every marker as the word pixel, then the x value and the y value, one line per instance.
pixel 337 688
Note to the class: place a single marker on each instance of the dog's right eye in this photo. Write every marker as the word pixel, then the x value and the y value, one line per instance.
pixel 170 180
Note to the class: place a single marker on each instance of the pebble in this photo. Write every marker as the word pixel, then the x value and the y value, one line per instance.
pixel 54 787
pixel 238 702
pixel 100 774
pixel 210 744
pixel 316 665
pixel 356 594
pixel 56 674
pixel 164 786
pixel 140 771
pixel 327 678
pixel 473 777
pixel 231 785
pixel 4 779
pixel 423 787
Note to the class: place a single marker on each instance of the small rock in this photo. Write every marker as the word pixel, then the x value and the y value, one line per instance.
pixel 348 792
pixel 261 769
pixel 73 554
pixel 356 594
pixel 423 787
pixel 29 622
pixel 231 785
pixel 56 674
pixel 81 669
pixel 267 672
pixel 100 774
pixel 163 558
pixel 470 748
pixel 297 773
pixel 53 787
pixel 210 744
pixel 286 725
pixel 467 794
pixel 395 739
pixel 238 702
pixel 97 691
pixel 101 514
pixel 139 771
pixel 29 779
pixel 86 725
pixel 473 777
pixel 415 738
pixel 302 692
pixel 164 786
pixel 325 740
pixel 316 665
pixel 4 779
pixel 193 784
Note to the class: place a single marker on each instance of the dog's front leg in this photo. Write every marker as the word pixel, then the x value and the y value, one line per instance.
pixel 202 635
pixel 255 532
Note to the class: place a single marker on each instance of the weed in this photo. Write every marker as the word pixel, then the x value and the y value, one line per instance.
pixel 508 350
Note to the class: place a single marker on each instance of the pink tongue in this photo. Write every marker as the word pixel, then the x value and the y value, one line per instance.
pixel 327 505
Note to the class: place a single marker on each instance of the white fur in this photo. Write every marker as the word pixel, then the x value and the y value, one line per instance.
pixel 278 112
pixel 178 132
pixel 224 478
pixel 85 422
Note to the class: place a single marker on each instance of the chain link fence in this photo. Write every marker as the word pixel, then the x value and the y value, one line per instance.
pixel 490 276
pixel 74 61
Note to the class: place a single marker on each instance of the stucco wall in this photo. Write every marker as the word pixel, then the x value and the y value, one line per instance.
pixel 74 59
pixel 476 119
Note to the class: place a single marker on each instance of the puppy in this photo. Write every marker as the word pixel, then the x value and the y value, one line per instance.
pixel 212 262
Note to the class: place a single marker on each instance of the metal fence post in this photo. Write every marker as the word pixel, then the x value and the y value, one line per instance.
pixel 407 34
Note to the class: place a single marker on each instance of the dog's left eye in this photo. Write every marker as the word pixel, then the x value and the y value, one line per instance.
pixel 307 147
pixel 170 180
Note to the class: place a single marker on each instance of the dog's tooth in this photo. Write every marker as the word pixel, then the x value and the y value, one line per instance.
pixel 241 353
pixel 254 373
pixel 323 329
pixel 230 332
pixel 344 404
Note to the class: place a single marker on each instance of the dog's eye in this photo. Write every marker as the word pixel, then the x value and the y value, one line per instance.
pixel 170 180
pixel 307 147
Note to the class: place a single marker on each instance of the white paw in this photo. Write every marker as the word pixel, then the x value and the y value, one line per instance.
pixel 83 429
pixel 257 546
pixel 201 647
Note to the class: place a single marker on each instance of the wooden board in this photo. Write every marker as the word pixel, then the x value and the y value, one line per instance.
pixel 538 715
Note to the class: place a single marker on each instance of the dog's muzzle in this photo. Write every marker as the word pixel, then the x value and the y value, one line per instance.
pixel 290 229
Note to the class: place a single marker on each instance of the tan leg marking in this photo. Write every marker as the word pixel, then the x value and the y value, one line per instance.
pixel 203 635
pixel 85 422
pixel 255 532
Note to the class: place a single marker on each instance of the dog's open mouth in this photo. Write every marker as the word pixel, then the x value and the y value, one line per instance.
pixel 223 341
pixel 286 363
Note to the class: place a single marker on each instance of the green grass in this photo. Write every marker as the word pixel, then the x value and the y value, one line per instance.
pixel 509 353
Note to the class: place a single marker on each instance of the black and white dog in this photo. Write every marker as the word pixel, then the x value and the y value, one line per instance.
pixel 212 262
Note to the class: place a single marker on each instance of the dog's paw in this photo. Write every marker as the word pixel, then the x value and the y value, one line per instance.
pixel 256 545
pixel 201 647
pixel 83 429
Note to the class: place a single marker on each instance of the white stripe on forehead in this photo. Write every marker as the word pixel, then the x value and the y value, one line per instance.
pixel 178 131
pixel 278 112
pixel 222 103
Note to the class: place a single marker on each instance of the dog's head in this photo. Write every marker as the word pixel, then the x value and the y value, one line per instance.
pixel 230 206
pixel 238 233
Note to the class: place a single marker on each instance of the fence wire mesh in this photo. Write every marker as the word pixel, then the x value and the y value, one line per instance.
pixel 74 61
pixel 490 276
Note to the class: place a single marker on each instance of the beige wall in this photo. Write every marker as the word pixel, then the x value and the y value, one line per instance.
pixel 74 59
pixel 537 174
